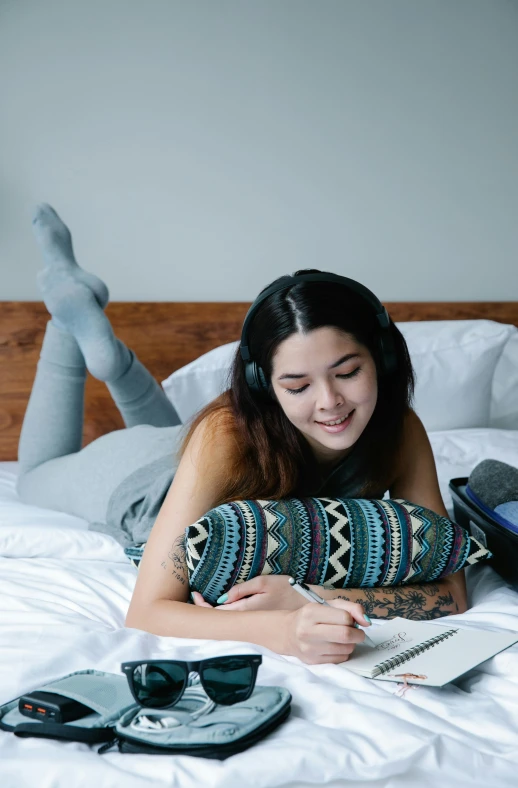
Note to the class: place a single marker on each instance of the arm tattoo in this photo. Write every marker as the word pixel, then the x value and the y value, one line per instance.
pixel 418 602
pixel 176 560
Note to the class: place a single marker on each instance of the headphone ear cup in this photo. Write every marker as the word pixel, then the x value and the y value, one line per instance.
pixel 263 383
pixel 388 352
pixel 255 378
pixel 250 375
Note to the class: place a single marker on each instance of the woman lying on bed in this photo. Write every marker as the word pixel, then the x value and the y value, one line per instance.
pixel 317 346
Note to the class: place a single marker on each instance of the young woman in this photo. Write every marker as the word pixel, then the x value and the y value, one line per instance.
pixel 332 422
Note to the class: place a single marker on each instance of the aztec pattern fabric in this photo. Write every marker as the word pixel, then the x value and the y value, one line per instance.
pixel 337 543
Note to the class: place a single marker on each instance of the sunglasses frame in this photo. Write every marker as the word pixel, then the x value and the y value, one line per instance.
pixel 197 666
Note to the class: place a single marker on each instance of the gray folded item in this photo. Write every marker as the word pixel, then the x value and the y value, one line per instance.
pixel 495 484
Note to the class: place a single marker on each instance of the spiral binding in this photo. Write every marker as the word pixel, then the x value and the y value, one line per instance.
pixel 384 667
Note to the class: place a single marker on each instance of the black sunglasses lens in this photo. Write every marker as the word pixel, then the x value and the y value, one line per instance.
pixel 158 684
pixel 228 680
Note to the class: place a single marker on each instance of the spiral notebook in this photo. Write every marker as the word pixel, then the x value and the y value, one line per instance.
pixel 422 652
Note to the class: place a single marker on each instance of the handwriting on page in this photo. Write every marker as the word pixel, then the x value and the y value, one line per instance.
pixel 394 642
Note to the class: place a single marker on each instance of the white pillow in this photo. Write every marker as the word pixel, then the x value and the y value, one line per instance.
pixel 193 386
pixel 503 413
pixel 454 361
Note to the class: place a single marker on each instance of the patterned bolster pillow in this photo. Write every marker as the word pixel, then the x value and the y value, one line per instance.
pixel 337 543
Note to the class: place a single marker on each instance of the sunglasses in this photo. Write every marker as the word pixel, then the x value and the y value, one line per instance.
pixel 160 684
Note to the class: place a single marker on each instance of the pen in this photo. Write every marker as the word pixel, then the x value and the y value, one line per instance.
pixel 312 596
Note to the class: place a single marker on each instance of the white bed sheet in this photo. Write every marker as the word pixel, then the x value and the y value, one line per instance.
pixel 64 592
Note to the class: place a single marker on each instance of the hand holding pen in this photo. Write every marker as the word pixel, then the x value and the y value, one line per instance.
pixel 312 596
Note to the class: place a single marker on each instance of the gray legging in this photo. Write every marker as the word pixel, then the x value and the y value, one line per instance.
pixel 54 471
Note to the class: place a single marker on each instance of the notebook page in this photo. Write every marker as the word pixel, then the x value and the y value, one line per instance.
pixel 389 640
pixel 453 657
pixel 460 651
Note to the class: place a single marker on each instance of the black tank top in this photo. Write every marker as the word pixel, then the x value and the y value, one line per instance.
pixel 345 480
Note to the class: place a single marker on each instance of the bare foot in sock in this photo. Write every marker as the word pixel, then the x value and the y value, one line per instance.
pixel 75 299
pixel 55 242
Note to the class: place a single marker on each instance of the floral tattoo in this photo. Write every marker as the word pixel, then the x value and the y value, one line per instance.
pixel 406 602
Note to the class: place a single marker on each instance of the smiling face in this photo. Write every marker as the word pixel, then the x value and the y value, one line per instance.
pixel 323 376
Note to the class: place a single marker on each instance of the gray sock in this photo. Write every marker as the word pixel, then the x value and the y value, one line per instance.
pixel 75 299
pixel 55 242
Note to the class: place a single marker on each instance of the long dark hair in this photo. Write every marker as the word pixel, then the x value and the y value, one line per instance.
pixel 273 459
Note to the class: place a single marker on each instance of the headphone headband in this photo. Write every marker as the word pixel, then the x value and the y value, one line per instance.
pixel 254 374
pixel 380 311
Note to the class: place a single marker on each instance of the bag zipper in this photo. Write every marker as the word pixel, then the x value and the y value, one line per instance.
pixel 132 744
pixel 109 745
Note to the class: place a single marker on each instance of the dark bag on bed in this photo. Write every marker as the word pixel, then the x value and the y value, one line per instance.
pixel 225 731
pixel 487 529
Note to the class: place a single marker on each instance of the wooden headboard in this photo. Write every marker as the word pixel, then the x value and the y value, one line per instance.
pixel 165 336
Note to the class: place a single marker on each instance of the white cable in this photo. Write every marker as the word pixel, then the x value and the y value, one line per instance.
pixel 164 719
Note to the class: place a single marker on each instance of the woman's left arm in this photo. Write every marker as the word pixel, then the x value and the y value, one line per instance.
pixel 421 602
pixel 417 482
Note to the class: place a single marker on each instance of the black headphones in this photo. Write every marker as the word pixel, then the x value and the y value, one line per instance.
pixel 255 377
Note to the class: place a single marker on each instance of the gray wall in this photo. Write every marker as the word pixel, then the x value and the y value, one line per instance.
pixel 199 149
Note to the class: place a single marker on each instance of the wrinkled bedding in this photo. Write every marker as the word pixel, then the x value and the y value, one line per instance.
pixel 64 592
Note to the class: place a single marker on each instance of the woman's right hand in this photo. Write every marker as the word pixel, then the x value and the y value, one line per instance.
pixel 324 633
